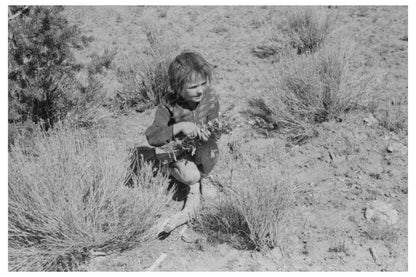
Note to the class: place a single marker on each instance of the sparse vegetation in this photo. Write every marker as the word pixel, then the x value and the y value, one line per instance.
pixel 339 248
pixel 307 28
pixel 67 199
pixel 310 89
pixel 145 77
pixel 74 194
pixel 304 29
pixel 393 117
pixel 100 62
pixel 251 210
pixel 91 98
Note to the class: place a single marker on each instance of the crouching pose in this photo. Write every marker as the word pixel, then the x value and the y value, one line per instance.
pixel 193 104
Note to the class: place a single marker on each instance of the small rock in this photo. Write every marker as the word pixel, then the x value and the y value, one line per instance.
pixel 395 146
pixel 379 252
pixel 369 213
pixel 394 172
pixel 390 148
pixel 370 120
pixel 380 211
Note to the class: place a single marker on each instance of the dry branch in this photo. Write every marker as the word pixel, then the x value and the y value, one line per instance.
pixel 157 262
pixel 17 14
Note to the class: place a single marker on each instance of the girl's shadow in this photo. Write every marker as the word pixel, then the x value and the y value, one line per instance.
pixel 160 163
pixel 180 191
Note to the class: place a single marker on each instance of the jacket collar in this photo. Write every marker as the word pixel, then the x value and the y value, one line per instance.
pixel 190 106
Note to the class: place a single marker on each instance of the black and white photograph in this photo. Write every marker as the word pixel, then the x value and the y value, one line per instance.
pixel 207 137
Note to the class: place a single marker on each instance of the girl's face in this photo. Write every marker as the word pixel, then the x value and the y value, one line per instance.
pixel 195 88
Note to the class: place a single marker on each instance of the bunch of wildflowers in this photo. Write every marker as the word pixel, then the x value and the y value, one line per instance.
pixel 216 128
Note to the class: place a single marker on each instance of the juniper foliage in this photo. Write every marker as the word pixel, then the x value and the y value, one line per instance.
pixel 41 66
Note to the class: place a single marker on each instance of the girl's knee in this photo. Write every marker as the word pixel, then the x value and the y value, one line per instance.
pixel 190 178
pixel 186 172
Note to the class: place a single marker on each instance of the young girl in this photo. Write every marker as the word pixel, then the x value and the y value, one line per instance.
pixel 192 105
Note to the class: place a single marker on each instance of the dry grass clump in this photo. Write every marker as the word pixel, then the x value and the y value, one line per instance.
pixel 307 28
pixel 304 29
pixel 394 118
pixel 250 211
pixel 91 100
pixel 67 200
pixel 391 112
pixel 310 89
pixel 144 75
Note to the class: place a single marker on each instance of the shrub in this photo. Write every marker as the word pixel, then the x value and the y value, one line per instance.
pixel 391 111
pixel 67 200
pixel 99 62
pixel 145 77
pixel 42 68
pixel 250 211
pixel 393 118
pixel 310 89
pixel 92 96
pixel 304 29
pixel 23 131
pixel 307 28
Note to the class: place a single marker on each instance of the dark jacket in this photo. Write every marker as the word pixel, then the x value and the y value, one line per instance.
pixel 171 112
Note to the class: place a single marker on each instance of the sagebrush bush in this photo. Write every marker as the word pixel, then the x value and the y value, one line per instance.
pixel 251 209
pixel 306 28
pixel 67 199
pixel 23 131
pixel 92 100
pixel 100 62
pixel 310 89
pixel 145 77
pixel 391 111
pixel 393 117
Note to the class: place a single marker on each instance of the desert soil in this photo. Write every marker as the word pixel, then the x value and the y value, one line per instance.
pixel 351 205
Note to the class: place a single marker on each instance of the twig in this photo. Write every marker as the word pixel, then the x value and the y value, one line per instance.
pixel 373 254
pixel 157 262
pixel 97 253
pixel 183 230
pixel 17 14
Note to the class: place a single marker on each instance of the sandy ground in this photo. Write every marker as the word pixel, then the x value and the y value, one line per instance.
pixel 351 180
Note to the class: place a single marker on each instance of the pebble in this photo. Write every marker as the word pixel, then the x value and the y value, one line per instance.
pixel 395 146
pixel 381 211
pixel 370 120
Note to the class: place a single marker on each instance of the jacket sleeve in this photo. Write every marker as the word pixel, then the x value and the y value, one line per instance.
pixel 159 133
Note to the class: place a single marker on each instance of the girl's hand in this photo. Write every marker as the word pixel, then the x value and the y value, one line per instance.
pixel 204 134
pixel 190 130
